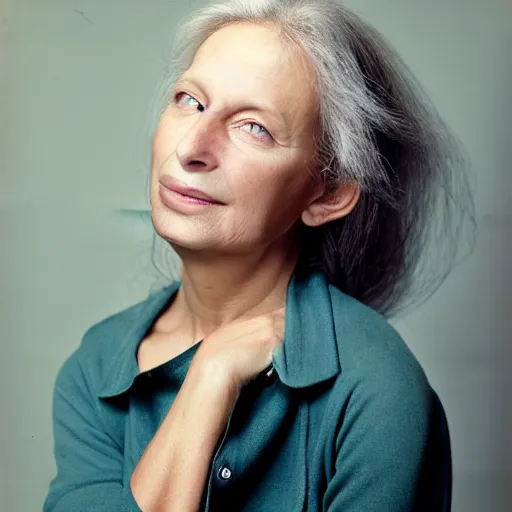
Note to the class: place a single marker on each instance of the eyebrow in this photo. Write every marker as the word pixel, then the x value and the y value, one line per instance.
pixel 253 105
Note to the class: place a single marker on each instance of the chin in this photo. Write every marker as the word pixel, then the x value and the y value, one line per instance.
pixel 177 231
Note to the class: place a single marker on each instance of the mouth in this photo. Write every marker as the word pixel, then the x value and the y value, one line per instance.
pixel 193 193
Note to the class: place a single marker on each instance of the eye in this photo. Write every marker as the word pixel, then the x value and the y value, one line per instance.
pixel 261 130
pixel 178 97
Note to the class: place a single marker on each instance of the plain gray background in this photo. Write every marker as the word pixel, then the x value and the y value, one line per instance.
pixel 77 80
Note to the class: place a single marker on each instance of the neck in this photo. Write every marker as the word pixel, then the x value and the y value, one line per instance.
pixel 218 290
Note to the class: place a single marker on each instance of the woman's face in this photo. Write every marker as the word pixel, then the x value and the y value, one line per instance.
pixel 239 127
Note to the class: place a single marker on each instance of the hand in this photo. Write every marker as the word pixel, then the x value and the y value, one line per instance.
pixel 240 350
pixel 173 470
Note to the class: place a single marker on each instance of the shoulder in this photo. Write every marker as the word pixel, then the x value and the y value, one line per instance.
pixel 378 370
pixel 385 437
pixel 368 345
pixel 110 339
pixel 106 334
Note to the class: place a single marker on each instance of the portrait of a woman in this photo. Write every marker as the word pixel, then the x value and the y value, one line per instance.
pixel 312 193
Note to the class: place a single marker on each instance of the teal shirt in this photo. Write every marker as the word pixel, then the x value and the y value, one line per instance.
pixel 350 423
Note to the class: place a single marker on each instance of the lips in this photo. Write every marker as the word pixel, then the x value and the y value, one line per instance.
pixel 172 184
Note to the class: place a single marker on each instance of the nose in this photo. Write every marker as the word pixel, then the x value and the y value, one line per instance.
pixel 196 151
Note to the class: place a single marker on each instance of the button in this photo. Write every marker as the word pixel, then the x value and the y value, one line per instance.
pixel 225 473
pixel 149 374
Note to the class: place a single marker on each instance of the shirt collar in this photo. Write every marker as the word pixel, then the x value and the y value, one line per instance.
pixel 309 352
pixel 307 356
pixel 125 334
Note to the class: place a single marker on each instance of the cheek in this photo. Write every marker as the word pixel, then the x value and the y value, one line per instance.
pixel 161 144
pixel 269 195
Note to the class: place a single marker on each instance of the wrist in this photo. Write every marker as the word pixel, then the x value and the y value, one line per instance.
pixel 213 377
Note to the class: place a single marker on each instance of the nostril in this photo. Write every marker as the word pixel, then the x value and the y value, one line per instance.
pixel 196 163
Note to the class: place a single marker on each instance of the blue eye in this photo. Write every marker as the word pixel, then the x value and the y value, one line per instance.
pixel 184 94
pixel 262 133
pixel 263 130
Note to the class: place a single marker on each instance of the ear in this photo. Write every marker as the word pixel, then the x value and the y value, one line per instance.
pixel 332 206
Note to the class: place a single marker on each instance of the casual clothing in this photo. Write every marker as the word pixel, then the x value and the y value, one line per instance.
pixel 350 423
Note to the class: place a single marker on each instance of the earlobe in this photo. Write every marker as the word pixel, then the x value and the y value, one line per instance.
pixel 336 205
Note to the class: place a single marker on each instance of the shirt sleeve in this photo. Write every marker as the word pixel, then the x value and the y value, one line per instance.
pixel 89 461
pixel 392 450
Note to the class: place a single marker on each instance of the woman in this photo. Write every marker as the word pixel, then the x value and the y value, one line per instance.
pixel 296 171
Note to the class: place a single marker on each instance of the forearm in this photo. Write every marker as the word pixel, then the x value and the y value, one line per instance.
pixel 173 469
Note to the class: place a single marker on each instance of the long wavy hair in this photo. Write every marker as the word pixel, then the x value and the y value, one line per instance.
pixel 378 128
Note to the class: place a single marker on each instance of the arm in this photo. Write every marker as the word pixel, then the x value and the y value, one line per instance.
pixel 172 471
pixel 89 461
pixel 391 453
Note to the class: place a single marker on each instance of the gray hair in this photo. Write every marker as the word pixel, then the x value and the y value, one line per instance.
pixel 378 128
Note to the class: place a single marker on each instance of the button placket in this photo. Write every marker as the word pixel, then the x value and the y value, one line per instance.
pixel 222 466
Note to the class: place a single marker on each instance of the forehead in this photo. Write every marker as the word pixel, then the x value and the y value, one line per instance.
pixel 245 61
